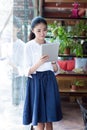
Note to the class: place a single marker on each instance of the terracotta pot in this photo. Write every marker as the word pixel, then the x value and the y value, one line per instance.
pixel 67 51
pixel 73 88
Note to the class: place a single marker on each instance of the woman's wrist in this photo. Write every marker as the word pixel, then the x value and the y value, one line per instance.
pixel 54 62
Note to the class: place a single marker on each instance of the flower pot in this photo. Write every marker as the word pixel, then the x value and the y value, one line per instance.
pixel 67 51
pixel 74 88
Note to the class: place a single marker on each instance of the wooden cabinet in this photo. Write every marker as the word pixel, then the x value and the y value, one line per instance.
pixel 65 81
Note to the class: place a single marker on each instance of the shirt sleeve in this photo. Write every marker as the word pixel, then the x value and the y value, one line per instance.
pixel 28 60
pixel 21 60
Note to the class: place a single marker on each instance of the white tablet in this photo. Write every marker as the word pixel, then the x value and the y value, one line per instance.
pixel 50 49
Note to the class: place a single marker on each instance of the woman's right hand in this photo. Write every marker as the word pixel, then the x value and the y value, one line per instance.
pixel 43 59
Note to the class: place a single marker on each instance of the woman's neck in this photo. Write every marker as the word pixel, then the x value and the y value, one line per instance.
pixel 40 41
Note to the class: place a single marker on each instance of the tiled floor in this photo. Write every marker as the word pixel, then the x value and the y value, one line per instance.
pixel 11 116
pixel 72 117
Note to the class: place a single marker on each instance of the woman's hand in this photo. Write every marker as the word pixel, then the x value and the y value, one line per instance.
pixel 43 59
pixel 55 67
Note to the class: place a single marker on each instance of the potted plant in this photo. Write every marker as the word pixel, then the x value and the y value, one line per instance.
pixel 77 48
pixel 60 34
pixel 77 84
pixel 80 29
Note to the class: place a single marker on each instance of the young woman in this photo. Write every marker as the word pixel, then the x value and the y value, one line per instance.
pixel 16 62
pixel 42 104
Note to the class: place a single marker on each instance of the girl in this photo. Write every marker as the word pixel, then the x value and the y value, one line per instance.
pixel 16 62
pixel 42 104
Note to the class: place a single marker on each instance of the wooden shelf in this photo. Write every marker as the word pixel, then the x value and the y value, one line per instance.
pixel 71 74
pixel 65 81
pixel 71 55
pixel 78 37
pixel 53 8
pixel 67 1
pixel 64 18
pixel 51 11
pixel 71 91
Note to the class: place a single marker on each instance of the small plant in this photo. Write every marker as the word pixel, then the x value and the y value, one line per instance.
pixel 78 83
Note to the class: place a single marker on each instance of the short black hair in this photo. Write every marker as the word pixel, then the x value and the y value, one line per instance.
pixel 37 20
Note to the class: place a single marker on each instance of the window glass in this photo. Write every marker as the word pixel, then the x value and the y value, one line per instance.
pixel 14 30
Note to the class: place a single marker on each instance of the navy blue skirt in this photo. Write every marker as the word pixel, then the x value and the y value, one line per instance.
pixel 42 102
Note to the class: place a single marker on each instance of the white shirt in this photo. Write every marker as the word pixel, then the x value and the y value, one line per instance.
pixel 17 57
pixel 32 55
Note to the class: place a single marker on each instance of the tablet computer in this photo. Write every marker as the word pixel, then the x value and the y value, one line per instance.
pixel 50 49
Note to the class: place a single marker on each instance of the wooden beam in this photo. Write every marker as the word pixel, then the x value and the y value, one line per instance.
pixel 40 7
pixel 67 1
pixel 67 5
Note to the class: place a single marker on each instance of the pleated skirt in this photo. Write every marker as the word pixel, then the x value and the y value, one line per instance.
pixel 42 102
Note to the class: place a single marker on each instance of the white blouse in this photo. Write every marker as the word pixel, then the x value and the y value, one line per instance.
pixel 32 55
pixel 17 57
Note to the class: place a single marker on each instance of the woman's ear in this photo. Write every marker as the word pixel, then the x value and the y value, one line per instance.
pixel 32 30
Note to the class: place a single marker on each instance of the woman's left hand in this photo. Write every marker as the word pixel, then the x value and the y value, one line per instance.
pixel 55 67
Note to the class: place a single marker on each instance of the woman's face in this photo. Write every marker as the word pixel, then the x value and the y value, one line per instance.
pixel 40 31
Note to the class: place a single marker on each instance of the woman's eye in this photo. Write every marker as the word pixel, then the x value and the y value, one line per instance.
pixel 45 29
pixel 42 30
pixel 38 31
